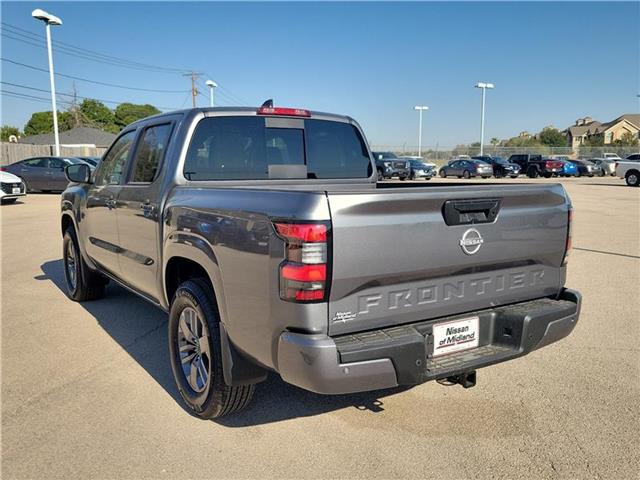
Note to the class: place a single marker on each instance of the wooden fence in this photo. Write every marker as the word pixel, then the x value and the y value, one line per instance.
pixel 14 152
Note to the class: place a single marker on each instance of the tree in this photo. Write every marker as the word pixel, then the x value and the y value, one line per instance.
pixel 627 139
pixel 594 141
pixel 552 137
pixel 7 130
pixel 495 141
pixel 40 122
pixel 522 141
pixel 126 113
pixel 96 114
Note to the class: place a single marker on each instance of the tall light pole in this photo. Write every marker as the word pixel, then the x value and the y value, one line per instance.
pixel 420 108
pixel 484 87
pixel 211 84
pixel 49 20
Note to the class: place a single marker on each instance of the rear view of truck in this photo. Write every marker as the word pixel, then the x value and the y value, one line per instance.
pixel 469 276
pixel 281 252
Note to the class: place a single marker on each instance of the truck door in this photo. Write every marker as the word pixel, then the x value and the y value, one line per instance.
pixel 139 213
pixel 100 225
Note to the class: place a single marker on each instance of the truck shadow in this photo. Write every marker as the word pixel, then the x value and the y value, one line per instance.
pixel 140 329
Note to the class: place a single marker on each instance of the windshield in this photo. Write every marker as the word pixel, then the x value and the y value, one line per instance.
pixel 387 155
pixel 417 163
pixel 244 148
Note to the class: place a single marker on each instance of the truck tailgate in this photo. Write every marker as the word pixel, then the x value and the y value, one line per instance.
pixel 396 260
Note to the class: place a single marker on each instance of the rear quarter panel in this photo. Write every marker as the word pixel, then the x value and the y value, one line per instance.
pixel 229 232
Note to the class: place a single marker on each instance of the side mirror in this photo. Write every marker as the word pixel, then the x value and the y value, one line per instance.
pixel 78 173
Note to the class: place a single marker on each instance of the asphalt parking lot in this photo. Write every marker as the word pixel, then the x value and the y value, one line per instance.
pixel 87 390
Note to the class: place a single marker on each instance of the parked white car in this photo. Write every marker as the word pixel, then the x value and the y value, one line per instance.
pixel 630 171
pixel 611 156
pixel 11 187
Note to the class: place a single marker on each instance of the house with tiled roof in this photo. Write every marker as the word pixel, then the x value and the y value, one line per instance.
pixel 586 127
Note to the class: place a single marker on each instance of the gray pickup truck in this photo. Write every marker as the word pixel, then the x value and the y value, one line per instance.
pixel 266 238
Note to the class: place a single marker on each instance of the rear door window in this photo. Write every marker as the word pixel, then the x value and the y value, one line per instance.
pixel 36 162
pixel 243 147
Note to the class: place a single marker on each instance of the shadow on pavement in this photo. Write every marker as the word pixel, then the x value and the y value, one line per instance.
pixel 140 329
pixel 606 184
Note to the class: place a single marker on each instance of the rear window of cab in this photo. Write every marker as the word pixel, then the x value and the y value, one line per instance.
pixel 243 148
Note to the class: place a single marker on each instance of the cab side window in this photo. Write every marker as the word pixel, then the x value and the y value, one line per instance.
pixel 111 168
pixel 150 153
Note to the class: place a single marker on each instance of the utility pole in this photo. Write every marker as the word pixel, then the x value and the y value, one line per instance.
pixel 194 90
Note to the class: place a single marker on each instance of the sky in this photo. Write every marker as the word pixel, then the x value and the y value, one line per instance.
pixel 551 63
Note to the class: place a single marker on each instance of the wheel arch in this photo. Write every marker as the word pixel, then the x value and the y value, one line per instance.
pixel 187 262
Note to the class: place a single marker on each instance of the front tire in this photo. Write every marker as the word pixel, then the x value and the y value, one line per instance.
pixel 632 179
pixel 466 174
pixel 443 174
pixel 380 176
pixel 82 283
pixel 7 201
pixel 196 358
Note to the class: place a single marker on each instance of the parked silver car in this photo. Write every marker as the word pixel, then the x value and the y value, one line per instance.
pixel 607 166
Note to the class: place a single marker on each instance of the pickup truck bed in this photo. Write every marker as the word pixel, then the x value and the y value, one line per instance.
pixel 340 284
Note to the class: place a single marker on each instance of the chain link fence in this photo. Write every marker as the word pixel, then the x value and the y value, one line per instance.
pixel 440 155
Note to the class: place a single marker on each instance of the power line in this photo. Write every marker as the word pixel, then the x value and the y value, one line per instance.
pixel 91 81
pixel 30 97
pixel 114 102
pixel 91 54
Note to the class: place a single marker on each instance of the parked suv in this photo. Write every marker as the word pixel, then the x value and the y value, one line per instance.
pixel 264 235
pixel 536 165
pixel 389 165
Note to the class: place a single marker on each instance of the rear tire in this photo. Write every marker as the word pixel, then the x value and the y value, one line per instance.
pixel 193 311
pixel 532 172
pixel 82 283
pixel 547 175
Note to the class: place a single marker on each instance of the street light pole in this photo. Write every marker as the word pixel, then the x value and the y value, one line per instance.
pixel 211 84
pixel 484 87
pixel 420 108
pixel 49 20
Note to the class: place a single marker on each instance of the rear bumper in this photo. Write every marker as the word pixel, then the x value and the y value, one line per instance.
pixel 402 355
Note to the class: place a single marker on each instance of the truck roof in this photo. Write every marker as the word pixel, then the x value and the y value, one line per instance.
pixel 241 110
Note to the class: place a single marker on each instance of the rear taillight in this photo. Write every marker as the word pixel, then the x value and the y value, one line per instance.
pixel 3 169
pixel 304 273
pixel 287 112
pixel 567 246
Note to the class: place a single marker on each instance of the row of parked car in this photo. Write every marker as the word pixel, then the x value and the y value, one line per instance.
pixel 390 165
pixel 45 174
